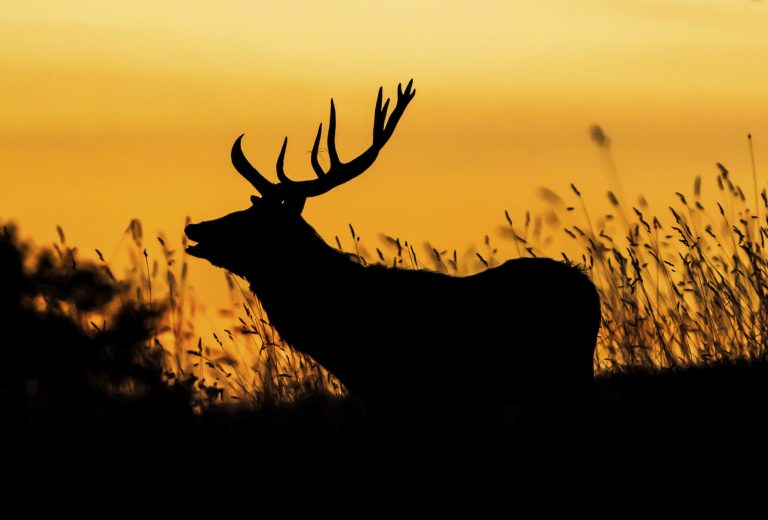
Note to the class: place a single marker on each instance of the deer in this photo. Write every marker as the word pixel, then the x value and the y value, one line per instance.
pixel 524 331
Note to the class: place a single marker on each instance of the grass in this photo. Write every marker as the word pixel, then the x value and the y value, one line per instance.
pixel 681 349
pixel 685 289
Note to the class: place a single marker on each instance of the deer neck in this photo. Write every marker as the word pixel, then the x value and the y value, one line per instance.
pixel 301 272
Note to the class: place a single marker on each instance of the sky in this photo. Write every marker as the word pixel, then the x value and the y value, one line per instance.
pixel 121 110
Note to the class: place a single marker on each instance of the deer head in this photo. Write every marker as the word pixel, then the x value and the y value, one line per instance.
pixel 229 241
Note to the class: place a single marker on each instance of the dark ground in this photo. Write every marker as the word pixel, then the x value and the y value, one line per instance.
pixel 716 412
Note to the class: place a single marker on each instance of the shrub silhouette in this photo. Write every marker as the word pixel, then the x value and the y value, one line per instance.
pixel 77 357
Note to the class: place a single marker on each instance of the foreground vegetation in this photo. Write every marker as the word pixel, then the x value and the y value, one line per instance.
pixel 681 353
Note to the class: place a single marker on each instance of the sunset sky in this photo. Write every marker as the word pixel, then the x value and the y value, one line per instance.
pixel 121 110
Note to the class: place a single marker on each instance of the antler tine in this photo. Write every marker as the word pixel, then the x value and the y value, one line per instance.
pixel 403 98
pixel 379 115
pixel 279 166
pixel 247 170
pixel 333 156
pixel 315 150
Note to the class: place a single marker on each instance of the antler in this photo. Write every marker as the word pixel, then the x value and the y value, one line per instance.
pixel 338 173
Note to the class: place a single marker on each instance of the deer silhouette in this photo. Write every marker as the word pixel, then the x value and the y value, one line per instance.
pixel 525 330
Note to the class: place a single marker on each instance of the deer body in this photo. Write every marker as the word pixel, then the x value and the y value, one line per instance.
pixel 393 334
pixel 527 327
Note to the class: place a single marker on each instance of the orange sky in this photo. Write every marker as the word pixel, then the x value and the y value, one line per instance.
pixel 112 112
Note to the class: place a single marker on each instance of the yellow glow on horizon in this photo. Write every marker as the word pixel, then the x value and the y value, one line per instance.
pixel 113 112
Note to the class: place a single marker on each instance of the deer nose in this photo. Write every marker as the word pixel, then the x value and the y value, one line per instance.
pixel 191 230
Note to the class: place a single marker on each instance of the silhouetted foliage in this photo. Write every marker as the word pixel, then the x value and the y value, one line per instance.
pixel 77 355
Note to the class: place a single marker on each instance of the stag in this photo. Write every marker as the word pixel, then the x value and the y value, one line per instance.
pixel 525 330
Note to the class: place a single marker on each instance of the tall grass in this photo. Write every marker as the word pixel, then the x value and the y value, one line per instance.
pixel 679 289
pixel 684 288
pixel 245 362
